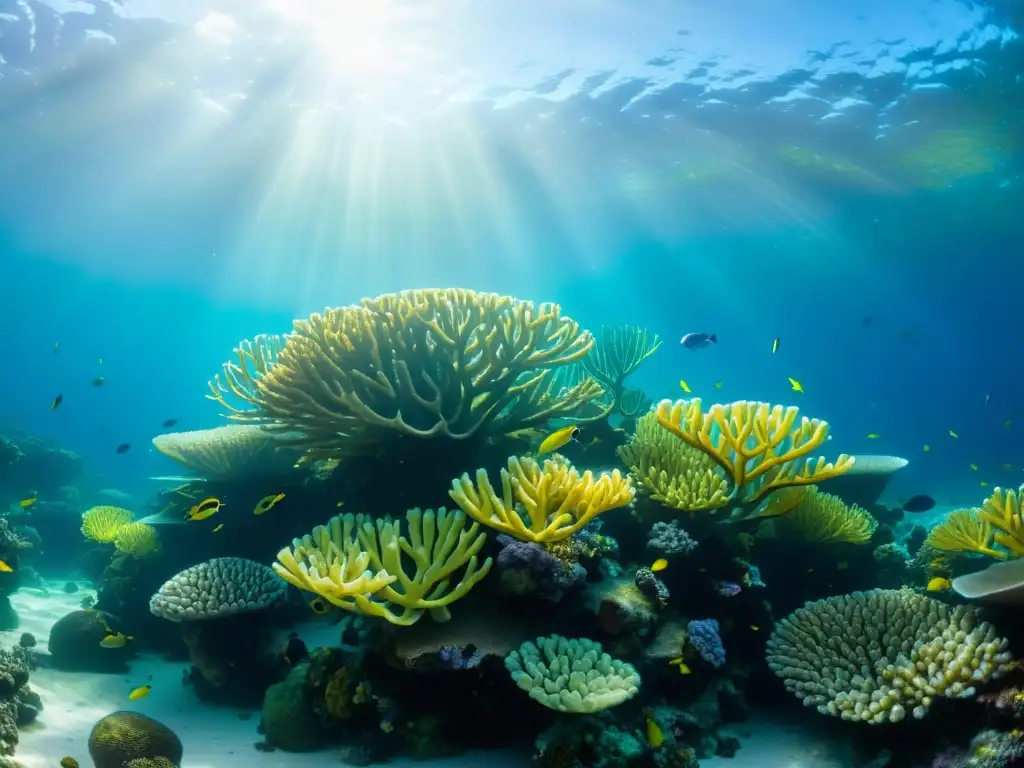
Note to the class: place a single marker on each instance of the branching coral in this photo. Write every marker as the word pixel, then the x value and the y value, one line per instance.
pixel 827 519
pixel 102 524
pixel 759 447
pixel 137 540
pixel 676 474
pixel 429 363
pixel 617 352
pixel 557 499
pixel 357 564
pixel 871 656
pixel 995 530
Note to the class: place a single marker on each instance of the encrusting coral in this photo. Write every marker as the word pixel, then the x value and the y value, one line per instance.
pixel 557 499
pixel 827 519
pixel 356 563
pixel 871 656
pixel 230 452
pixel 573 676
pixel 760 448
pixel 996 530
pixel 426 363
pixel 102 524
pixel 674 472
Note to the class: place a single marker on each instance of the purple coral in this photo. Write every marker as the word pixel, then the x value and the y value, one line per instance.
pixel 456 658
pixel 670 539
pixel 705 637
pixel 544 572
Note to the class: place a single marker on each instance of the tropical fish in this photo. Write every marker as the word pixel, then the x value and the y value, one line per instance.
pixel 953 434
pixel 140 693
pixel 719 384
pixel 939 584
pixel 920 503
pixel 1007 466
pixel 26 503
pixel 868 320
pixel 974 467
pixel 68 762
pixel 983 484
pixel 318 606
pixel 5 567
pixel 695 341
pixel 684 385
pixel 99 381
pixel 988 396
pixel 123 448
pixel 775 345
pixel 204 509
pixel 267 503
pixel 654 735
pixel 218 527
pixel 169 423
pixel 796 385
pixel 558 438
pixel 755 627
pixel 56 402
pixel 115 640
pixel 873 435
pixel 340 504
pixel 926 448
pixel 56 346
pixel 1008 423
pixel 659 565
pixel 678 662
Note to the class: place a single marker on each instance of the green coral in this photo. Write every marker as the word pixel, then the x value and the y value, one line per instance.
pixel 289 721
pixel 121 737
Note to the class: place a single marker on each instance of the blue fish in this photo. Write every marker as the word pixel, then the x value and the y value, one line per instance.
pixel 698 340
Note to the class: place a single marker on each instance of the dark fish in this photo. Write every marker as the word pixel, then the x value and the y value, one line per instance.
pixel 123 448
pixel 56 402
pixel 920 503
pixel 169 423
pixel 295 651
pixel 98 381
pixel 868 320
pixel 695 341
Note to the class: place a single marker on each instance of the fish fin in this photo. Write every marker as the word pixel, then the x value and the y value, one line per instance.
pixel 713 338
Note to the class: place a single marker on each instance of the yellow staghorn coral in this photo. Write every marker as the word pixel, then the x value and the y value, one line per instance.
pixel 103 523
pixel 357 564
pixel 557 499
pixel 428 363
pixel 137 539
pixel 226 453
pixel 676 474
pixel 759 447
pixel 996 530
pixel 827 519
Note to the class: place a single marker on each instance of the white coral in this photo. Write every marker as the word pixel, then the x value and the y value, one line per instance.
pixel 217 588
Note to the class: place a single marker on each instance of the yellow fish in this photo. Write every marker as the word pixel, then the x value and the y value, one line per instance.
pixel 796 385
pixel 118 640
pixel 939 584
pixel 684 385
pixel 560 437
pixel 659 565
pixel 340 504
pixel 5 567
pixel 654 735
pixel 984 484
pixel 267 503
pixel 678 662
pixel 719 384
pixel 204 509
pixel 1007 466
pixel 926 448
pixel 217 528
pixel 974 467
pixel 140 693
pixel 953 434
pixel 873 435
pixel 26 503
pixel 775 345
pixel 755 627
pixel 318 606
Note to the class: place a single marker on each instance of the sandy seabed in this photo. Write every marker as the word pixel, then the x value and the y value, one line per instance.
pixel 219 737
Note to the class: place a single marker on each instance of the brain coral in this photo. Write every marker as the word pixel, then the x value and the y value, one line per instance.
pixel 217 588
pixel 121 737
pixel 871 656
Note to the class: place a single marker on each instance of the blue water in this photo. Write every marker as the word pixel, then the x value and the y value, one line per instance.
pixel 178 176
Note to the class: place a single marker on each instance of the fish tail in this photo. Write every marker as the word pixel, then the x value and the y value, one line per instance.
pixel 713 338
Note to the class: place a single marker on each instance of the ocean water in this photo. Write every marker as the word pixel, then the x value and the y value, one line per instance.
pixel 177 176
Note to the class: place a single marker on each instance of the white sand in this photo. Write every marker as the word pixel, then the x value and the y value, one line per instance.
pixel 216 737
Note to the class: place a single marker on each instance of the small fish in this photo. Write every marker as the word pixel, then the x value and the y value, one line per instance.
pixel 939 584
pixel 755 627
pixel 68 762
pixel 295 650
pixel 318 606
pixel 56 347
pixel 217 527
pixel 775 345
pixel 926 448
pixel 101 361
pixel 796 385
pixel 974 467
pixel 868 320
pixel 695 341
pixel 654 735
pixel 559 438
pixel 919 503
pixel 140 693
pixel 988 396
pixel 659 565
pixel 983 484
pixel 340 504
pixel 719 384
pixel 1008 423
pixel 267 503
pixel 169 423
pixel 684 385
pixel 5 568
pixel 56 402
pixel 678 662
pixel 123 448
pixel 99 381
pixel 1007 466
pixel 26 503
pixel 204 509
pixel 115 640
pixel 873 435
pixel 953 434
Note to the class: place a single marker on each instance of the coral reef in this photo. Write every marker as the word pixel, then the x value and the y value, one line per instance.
pixel 102 524
pixel 122 736
pixel 75 638
pixel 137 540
pixel 995 530
pixel 230 453
pixel 706 637
pixel 19 704
pixel 827 519
pixel 670 539
pixel 527 568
